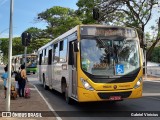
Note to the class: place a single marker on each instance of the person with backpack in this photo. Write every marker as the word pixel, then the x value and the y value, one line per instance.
pixel 22 81
pixel 5 77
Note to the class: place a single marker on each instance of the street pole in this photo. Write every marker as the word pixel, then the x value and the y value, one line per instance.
pixel 9 58
pixel 25 53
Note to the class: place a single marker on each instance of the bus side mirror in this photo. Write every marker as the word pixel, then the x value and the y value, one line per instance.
pixel 76 46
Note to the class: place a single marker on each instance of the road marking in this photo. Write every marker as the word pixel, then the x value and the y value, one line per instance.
pixel 151 80
pixel 32 88
pixel 49 106
pixel 151 94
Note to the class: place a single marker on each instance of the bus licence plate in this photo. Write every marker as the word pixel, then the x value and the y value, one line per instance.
pixel 115 98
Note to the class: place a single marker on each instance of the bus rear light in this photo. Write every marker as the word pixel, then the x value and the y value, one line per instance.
pixel 139 82
pixel 86 84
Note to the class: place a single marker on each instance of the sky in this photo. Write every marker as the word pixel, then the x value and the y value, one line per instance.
pixel 25 12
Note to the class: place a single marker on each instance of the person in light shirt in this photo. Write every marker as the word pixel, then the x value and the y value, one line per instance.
pixel 5 77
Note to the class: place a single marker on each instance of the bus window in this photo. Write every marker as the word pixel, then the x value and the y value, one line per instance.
pixel 71 57
pixel 50 57
pixel 45 52
pixel 40 59
pixel 43 56
pixel 63 50
pixel 56 50
pixel 61 46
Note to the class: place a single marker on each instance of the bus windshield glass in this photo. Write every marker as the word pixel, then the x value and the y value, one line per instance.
pixel 32 61
pixel 109 56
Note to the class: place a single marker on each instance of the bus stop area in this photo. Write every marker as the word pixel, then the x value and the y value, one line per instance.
pixel 34 108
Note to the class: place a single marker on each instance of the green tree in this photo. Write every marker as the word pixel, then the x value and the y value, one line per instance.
pixel 155 56
pixel 155 40
pixel 85 9
pixel 38 39
pixel 130 13
pixel 59 20
pixel 4 48
pixel 36 33
pixel 36 44
pixel 17 47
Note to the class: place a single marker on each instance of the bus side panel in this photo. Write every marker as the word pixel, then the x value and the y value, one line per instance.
pixel 57 76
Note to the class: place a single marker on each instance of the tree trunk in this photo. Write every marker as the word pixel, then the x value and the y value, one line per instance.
pixel 150 50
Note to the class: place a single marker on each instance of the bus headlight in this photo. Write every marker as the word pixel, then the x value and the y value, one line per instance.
pixel 86 84
pixel 139 82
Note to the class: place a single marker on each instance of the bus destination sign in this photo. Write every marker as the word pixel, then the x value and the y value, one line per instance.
pixel 99 31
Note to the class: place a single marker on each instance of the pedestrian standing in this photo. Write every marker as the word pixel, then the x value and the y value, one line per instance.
pixel 5 77
pixel 22 82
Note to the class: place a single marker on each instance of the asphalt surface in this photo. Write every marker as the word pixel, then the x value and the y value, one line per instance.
pixel 149 104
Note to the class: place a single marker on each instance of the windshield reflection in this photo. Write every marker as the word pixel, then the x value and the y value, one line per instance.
pixel 109 57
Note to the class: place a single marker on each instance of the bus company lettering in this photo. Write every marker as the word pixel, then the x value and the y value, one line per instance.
pixel 107 86
pixel 124 85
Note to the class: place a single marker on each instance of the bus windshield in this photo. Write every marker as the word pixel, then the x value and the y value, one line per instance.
pixel 109 56
pixel 32 61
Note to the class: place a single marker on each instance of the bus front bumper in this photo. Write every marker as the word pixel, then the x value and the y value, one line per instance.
pixel 87 96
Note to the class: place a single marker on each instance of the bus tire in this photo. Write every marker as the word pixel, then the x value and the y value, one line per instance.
pixel 44 83
pixel 67 98
pixel 33 72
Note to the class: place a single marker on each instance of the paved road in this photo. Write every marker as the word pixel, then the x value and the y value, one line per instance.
pixel 150 102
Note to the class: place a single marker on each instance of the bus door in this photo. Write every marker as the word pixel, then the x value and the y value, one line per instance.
pixel 49 68
pixel 73 72
pixel 40 67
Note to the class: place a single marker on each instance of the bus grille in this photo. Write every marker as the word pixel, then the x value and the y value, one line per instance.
pixel 107 95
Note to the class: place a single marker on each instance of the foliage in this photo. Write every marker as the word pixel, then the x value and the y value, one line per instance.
pixel 130 13
pixel 84 11
pixel 155 40
pixel 17 47
pixel 155 56
pixel 4 48
pixel 59 20
pixel 38 39
pixel 36 33
pixel 36 44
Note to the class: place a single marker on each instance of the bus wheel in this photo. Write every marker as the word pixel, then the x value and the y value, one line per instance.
pixel 33 72
pixel 44 83
pixel 67 98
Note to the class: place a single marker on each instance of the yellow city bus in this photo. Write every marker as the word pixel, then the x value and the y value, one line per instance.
pixel 93 63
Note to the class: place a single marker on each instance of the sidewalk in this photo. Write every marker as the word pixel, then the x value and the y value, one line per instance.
pixel 151 78
pixel 26 106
